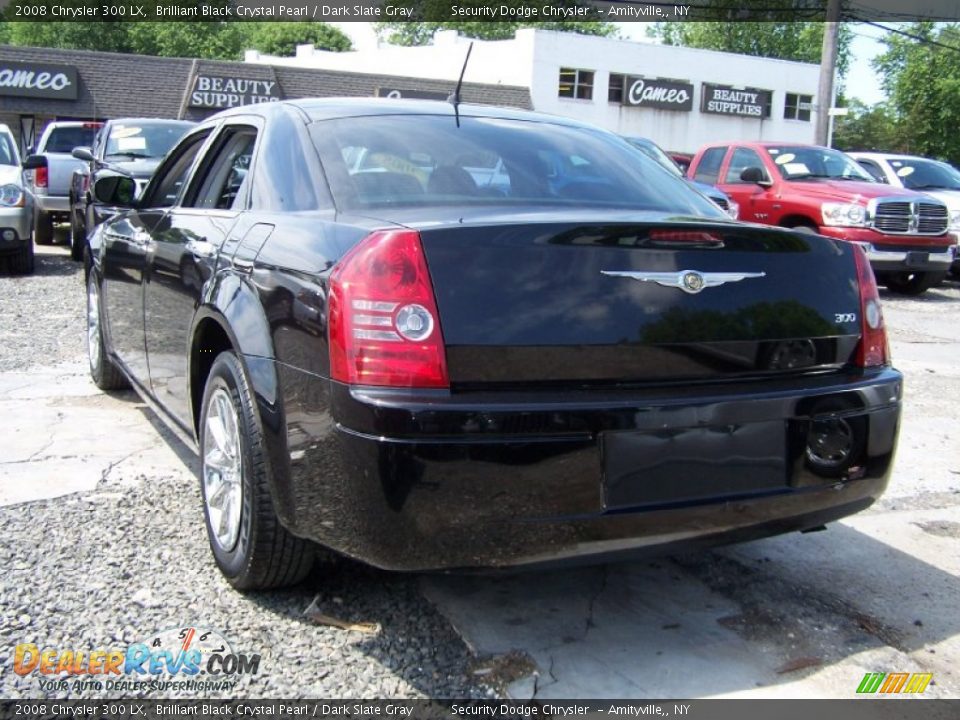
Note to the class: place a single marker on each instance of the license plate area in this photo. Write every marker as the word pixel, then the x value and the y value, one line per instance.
pixel 917 259
pixel 694 464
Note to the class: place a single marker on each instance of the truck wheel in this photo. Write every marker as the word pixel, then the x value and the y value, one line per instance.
pixel 912 283
pixel 22 262
pixel 43 229
pixel 250 546
pixel 78 237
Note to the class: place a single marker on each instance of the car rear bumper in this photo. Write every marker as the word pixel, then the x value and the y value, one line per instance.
pixel 445 481
pixel 907 253
pixel 53 203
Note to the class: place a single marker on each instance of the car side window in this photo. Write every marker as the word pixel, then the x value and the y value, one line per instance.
pixel 708 169
pixel 874 170
pixel 170 178
pixel 742 159
pixel 224 179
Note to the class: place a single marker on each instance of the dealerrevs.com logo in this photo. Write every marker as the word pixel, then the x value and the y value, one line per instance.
pixel 189 658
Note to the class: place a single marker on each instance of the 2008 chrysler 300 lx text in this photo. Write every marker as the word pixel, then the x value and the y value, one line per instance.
pixel 431 336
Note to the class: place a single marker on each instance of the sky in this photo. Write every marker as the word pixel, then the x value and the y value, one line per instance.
pixel 862 81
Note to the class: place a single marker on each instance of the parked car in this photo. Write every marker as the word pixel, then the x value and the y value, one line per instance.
pixel 653 151
pixel 422 375
pixel 48 171
pixel 931 177
pixel 819 190
pixel 16 207
pixel 130 146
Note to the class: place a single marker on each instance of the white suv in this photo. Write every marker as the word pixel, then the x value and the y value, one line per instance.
pixel 16 207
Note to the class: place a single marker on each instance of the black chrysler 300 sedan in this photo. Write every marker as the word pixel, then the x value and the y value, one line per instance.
pixel 431 337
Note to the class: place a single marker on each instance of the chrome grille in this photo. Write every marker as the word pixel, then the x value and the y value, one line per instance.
pixel 901 217
pixel 933 219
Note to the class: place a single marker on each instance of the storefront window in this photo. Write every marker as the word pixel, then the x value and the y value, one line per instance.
pixel 797 107
pixel 576 83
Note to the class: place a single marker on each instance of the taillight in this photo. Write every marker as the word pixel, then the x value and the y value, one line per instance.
pixel 384 328
pixel 40 177
pixel 873 350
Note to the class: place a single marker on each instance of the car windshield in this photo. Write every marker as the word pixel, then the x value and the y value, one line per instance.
pixel 808 162
pixel 8 150
pixel 144 139
pixel 427 160
pixel 653 152
pixel 917 174
pixel 65 138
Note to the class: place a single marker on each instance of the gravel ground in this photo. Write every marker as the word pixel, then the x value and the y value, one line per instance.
pixel 106 568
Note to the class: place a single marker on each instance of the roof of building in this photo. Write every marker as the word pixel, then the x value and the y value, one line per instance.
pixel 106 90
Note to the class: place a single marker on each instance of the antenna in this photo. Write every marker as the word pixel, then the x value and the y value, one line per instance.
pixel 455 97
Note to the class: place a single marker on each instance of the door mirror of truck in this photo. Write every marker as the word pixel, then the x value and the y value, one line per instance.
pixel 83 153
pixel 756 176
pixel 116 190
pixel 34 162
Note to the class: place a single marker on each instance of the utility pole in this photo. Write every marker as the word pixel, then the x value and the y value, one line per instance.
pixel 828 69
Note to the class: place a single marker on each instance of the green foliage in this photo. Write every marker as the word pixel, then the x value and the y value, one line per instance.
pixel 868 128
pixel 801 41
pixel 282 38
pixel 922 82
pixel 220 40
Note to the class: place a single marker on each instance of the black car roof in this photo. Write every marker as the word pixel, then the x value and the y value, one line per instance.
pixel 319 109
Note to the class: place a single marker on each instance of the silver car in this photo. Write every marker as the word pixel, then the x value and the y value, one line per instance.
pixel 16 208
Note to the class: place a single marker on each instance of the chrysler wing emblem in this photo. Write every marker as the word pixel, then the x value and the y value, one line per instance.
pixel 690 281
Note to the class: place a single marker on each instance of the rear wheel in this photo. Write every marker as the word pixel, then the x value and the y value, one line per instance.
pixel 912 283
pixel 250 546
pixel 43 229
pixel 105 373
pixel 22 262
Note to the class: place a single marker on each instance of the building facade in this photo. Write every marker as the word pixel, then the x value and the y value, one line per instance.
pixel 679 97
pixel 38 85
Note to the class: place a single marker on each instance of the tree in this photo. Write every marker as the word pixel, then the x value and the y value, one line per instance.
pixel 867 128
pixel 798 40
pixel 921 76
pixel 282 38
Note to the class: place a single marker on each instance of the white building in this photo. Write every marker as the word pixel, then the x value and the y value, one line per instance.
pixel 679 97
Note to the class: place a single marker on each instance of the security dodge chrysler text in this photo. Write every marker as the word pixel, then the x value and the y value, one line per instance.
pixel 438 336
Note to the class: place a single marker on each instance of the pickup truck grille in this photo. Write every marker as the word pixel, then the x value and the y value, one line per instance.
pixel 916 218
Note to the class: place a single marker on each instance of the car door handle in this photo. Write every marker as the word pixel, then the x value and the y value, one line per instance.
pixel 201 248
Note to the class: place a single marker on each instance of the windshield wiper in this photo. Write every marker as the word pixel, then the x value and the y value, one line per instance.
pixel 934 186
pixel 137 156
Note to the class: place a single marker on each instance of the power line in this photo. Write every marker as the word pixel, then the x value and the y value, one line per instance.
pixel 917 38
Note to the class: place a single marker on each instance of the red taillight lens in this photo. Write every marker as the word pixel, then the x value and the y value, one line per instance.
pixel 873 350
pixel 40 177
pixel 383 323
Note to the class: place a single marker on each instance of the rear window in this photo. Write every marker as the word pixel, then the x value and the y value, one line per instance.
pixel 65 139
pixel 143 140
pixel 428 160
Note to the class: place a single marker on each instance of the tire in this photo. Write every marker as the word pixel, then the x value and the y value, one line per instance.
pixel 78 237
pixel 250 546
pixel 912 283
pixel 23 263
pixel 43 229
pixel 806 229
pixel 104 372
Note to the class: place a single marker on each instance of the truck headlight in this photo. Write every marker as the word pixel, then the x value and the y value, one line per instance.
pixel 733 210
pixel 955 220
pixel 844 214
pixel 12 196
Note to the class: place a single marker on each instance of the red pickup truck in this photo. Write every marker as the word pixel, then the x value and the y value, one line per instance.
pixel 816 189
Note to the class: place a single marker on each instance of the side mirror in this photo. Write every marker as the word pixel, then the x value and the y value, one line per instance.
pixel 83 153
pixel 34 162
pixel 755 175
pixel 116 190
